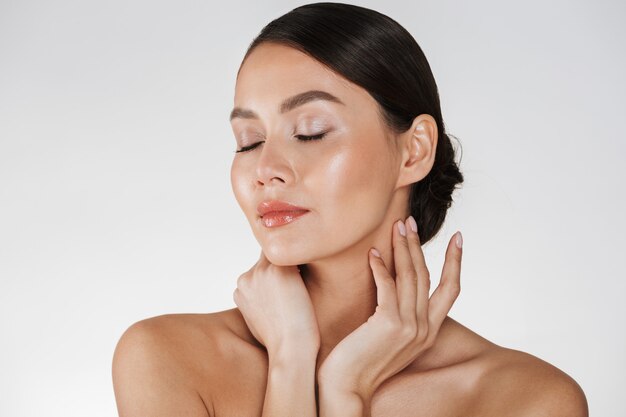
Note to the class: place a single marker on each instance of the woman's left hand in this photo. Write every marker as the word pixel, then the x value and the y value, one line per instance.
pixel 405 322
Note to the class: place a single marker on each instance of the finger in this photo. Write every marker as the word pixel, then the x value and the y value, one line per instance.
pixel 385 285
pixel 423 276
pixel 406 276
pixel 449 286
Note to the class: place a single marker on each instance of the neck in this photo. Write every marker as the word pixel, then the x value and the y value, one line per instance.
pixel 342 288
pixel 343 298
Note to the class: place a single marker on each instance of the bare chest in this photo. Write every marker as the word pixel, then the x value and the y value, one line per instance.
pixel 240 392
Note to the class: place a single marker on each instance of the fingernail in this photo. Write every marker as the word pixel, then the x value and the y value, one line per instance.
pixel 459 240
pixel 401 228
pixel 413 224
pixel 375 252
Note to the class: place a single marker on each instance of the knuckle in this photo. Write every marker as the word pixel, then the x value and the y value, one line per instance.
pixel 422 320
pixel 392 325
pixel 375 266
pixel 389 282
pixel 410 330
pixel 427 281
pixel 430 340
pixel 454 287
pixel 423 333
pixel 413 237
pixel 412 275
pixel 402 240
pixel 378 266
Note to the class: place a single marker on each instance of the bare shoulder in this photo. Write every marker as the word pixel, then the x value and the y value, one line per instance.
pixel 466 374
pixel 516 383
pixel 165 365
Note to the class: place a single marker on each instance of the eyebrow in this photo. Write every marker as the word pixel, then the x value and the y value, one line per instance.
pixel 288 104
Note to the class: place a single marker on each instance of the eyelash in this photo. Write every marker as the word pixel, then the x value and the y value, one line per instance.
pixel 301 137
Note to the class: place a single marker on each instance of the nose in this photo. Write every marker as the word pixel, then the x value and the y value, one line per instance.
pixel 273 164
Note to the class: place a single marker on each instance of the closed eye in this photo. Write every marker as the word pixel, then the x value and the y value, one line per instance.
pixel 314 137
pixel 300 137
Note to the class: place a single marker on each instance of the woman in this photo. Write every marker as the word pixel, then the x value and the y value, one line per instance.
pixel 341 148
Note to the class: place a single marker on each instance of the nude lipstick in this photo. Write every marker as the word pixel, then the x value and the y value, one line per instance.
pixel 276 213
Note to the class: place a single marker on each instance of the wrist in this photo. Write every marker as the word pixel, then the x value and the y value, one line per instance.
pixel 291 372
pixel 336 386
pixel 345 403
pixel 293 354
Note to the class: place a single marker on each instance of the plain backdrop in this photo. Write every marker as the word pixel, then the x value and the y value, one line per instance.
pixel 116 204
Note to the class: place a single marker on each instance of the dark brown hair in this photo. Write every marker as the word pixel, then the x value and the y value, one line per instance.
pixel 375 52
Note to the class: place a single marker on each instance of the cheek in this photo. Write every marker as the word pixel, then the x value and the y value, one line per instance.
pixel 239 185
pixel 355 187
pixel 349 189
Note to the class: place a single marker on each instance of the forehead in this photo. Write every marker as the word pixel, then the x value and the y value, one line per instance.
pixel 273 72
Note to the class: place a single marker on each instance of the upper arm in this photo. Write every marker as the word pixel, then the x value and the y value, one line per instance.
pixel 558 397
pixel 529 387
pixel 149 379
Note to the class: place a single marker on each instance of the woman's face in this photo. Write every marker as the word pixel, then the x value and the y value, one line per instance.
pixel 346 179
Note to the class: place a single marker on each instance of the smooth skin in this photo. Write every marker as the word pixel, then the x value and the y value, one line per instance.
pixel 323 326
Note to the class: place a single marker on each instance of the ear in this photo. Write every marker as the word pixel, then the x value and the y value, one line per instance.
pixel 418 146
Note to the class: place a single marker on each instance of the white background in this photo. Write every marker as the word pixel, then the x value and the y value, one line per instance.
pixel 116 205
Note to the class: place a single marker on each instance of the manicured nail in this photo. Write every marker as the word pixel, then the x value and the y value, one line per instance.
pixel 459 240
pixel 413 224
pixel 375 252
pixel 401 228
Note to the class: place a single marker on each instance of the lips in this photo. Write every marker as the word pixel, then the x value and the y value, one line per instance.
pixel 274 213
pixel 278 207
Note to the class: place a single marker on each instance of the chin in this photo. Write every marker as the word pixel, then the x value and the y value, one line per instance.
pixel 280 255
pixel 283 258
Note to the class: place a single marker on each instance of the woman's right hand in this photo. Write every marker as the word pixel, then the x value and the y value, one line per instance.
pixel 277 308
